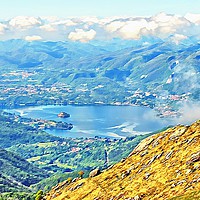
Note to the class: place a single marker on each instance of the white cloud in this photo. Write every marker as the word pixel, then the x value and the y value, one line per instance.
pixel 129 28
pixel 168 24
pixel 85 29
pixel 24 21
pixel 132 29
pixel 190 112
pixel 161 25
pixel 194 18
pixel 114 26
pixel 33 38
pixel 81 35
pixel 88 20
pixel 48 28
pixel 67 22
pixel 50 18
pixel 2 28
pixel 178 37
pixel 162 18
pixel 107 20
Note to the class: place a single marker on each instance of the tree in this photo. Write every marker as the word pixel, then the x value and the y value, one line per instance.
pixel 39 195
pixel 69 180
pixel 81 173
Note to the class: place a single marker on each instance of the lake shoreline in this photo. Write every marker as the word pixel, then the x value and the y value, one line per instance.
pixel 98 120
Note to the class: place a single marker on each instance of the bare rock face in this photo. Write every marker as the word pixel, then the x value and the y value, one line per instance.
pixel 194 158
pixel 94 172
pixel 178 133
pixel 143 145
pixel 137 198
pixel 76 187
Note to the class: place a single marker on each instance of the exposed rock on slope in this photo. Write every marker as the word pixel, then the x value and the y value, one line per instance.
pixel 160 167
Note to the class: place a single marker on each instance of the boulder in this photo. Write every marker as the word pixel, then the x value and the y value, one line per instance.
pixel 143 153
pixel 143 145
pixel 147 175
pixel 194 158
pixel 152 159
pixel 77 186
pixel 168 155
pixel 137 198
pixel 125 174
pixel 176 134
pixel 94 172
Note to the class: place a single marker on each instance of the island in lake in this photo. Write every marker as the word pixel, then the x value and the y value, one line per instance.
pixel 63 115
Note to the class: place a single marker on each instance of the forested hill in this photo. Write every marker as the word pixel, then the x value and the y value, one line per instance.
pixel 17 174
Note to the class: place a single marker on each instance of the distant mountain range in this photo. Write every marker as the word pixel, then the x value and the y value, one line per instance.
pixel 108 73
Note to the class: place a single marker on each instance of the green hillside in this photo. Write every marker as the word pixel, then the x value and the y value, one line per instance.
pixel 13 133
pixel 17 173
pixel 53 157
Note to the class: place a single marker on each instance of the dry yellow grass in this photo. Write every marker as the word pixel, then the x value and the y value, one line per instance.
pixel 160 167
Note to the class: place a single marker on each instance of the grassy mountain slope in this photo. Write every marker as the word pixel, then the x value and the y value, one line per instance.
pixel 17 174
pixel 162 166
pixel 189 196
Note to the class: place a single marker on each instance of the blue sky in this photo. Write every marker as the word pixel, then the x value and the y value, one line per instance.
pixel 100 8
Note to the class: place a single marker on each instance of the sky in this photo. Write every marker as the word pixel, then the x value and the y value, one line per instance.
pixel 88 20
pixel 99 8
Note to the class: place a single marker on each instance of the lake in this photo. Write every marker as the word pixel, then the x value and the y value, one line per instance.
pixel 103 121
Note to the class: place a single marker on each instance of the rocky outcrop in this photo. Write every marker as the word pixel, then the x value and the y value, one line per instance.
pixel 94 172
pixel 194 158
